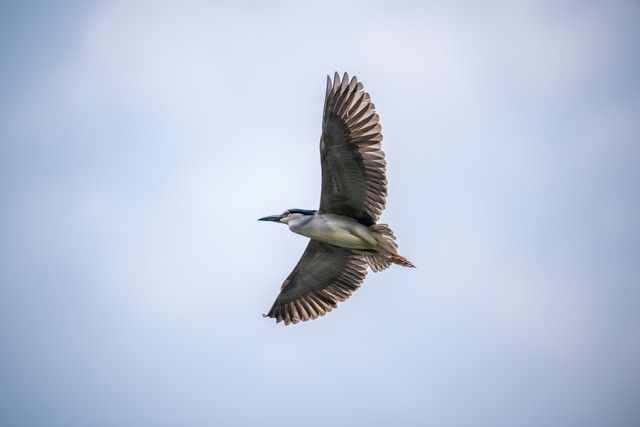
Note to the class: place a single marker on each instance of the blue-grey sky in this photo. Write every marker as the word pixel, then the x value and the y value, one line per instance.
pixel 140 141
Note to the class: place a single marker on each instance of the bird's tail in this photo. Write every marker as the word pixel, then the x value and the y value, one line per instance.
pixel 400 260
pixel 388 253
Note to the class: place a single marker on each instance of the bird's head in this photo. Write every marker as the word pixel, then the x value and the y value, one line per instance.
pixel 288 215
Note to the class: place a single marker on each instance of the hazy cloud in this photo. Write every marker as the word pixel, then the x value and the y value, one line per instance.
pixel 137 163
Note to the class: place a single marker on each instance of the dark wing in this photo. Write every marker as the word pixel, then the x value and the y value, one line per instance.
pixel 324 275
pixel 354 182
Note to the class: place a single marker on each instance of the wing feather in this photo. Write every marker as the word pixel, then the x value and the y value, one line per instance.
pixel 324 276
pixel 354 179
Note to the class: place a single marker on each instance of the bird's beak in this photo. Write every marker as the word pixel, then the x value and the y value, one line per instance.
pixel 274 218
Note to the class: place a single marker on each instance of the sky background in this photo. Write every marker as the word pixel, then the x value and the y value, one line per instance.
pixel 140 141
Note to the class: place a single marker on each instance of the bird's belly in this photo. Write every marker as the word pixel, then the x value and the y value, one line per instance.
pixel 335 235
pixel 342 238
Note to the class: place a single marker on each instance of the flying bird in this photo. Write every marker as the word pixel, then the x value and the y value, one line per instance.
pixel 344 235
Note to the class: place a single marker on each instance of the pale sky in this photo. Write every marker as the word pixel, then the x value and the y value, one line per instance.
pixel 140 141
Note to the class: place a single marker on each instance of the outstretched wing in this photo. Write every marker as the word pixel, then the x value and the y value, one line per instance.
pixel 354 182
pixel 324 275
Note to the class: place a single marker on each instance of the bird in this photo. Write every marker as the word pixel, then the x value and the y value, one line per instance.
pixel 344 236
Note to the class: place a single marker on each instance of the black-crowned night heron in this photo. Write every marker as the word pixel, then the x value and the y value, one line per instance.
pixel 345 238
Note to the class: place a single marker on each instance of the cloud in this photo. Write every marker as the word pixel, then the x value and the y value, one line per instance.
pixel 195 70
pixel 168 130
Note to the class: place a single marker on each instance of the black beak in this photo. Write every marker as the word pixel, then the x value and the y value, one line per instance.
pixel 274 218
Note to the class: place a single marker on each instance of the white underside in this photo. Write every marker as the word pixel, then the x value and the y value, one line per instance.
pixel 336 230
